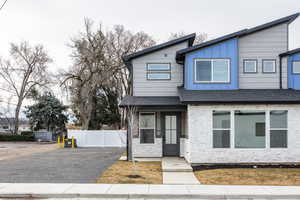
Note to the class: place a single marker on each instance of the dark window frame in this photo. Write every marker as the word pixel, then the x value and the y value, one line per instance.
pixel 279 129
pixel 211 82
pixel 262 66
pixel 154 128
pixel 221 129
pixel 151 71
pixel 244 66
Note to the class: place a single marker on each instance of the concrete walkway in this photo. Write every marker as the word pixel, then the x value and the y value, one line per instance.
pixel 177 171
pixel 125 191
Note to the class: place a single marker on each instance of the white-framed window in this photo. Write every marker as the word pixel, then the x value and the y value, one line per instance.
pixel 221 129
pixel 269 66
pixel 248 129
pixel 296 67
pixel 278 128
pixel 250 66
pixel 158 71
pixel 212 70
pixel 147 127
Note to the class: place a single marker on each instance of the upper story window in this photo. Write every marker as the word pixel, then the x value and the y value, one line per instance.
pixel 250 66
pixel 296 67
pixel 158 71
pixel 269 66
pixel 212 70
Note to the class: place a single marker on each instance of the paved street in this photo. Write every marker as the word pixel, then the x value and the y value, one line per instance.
pixel 82 165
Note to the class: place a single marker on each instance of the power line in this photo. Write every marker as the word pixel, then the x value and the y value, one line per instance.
pixel 3 4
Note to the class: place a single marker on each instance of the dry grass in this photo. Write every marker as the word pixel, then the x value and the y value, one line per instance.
pixel 149 172
pixel 261 176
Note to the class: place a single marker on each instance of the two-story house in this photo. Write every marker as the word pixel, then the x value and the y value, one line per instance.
pixel 234 99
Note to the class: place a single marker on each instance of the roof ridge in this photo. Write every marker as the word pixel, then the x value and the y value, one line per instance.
pixel 190 37
pixel 243 32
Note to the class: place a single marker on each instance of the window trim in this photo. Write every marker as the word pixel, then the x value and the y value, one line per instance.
pixel 274 69
pixel 165 71
pixel 267 129
pixel 211 60
pixel 154 132
pixel 221 129
pixel 244 66
pixel 295 61
pixel 279 129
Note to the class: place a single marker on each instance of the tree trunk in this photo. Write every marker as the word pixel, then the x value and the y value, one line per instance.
pixel 17 113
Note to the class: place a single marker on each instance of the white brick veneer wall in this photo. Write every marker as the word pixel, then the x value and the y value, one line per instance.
pixel 147 150
pixel 199 147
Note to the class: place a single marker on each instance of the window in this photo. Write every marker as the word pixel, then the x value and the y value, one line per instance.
pixel 278 129
pixel 296 67
pixel 250 66
pixel 159 71
pixel 249 129
pixel 147 127
pixel 212 70
pixel 221 129
pixel 269 66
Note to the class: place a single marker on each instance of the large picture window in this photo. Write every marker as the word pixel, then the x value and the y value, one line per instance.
pixel 212 70
pixel 249 129
pixel 221 129
pixel 158 71
pixel 278 129
pixel 147 127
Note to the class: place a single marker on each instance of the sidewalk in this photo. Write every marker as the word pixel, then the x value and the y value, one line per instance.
pixel 147 191
pixel 177 171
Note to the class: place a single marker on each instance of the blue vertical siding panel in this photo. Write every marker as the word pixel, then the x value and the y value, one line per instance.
pixel 227 49
pixel 293 79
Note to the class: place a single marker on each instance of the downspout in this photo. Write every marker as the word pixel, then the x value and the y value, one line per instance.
pixel 280 72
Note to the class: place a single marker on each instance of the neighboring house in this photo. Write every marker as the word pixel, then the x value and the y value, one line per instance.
pixel 7 125
pixel 234 99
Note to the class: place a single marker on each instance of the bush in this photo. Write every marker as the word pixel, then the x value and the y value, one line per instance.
pixel 27 133
pixel 16 138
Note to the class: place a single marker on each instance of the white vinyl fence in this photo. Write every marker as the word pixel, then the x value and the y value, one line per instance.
pixel 99 138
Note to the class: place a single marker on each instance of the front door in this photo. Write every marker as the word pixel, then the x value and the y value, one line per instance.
pixel 171 134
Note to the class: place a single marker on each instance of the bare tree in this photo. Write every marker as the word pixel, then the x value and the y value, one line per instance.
pixel 23 71
pixel 97 62
pixel 200 37
pixel 122 42
pixel 91 69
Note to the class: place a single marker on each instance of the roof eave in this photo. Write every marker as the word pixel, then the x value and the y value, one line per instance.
pixel 190 38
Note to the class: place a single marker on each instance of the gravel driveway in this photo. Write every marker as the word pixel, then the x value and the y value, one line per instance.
pixel 81 165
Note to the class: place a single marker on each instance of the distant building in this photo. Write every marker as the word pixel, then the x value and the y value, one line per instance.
pixel 7 125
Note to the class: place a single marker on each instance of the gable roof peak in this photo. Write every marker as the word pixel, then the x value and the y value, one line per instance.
pixel 190 38
pixel 288 19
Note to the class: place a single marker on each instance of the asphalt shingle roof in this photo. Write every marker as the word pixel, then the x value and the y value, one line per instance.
pixel 150 101
pixel 278 96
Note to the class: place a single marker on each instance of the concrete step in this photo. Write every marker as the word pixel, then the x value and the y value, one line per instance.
pixel 175 164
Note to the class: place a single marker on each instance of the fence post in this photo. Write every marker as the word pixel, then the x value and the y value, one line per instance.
pixel 58 141
pixel 73 145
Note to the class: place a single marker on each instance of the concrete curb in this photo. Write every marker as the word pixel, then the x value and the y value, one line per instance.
pixel 147 191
